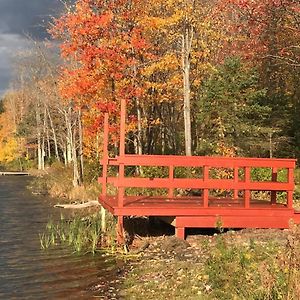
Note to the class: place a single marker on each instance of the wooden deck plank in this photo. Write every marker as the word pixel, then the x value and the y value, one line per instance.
pixel 158 206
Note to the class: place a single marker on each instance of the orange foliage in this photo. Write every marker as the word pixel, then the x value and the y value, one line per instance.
pixel 105 49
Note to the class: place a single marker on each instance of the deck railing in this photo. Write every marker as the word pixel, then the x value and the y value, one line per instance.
pixel 240 181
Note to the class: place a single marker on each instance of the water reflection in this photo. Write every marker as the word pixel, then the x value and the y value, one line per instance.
pixel 26 272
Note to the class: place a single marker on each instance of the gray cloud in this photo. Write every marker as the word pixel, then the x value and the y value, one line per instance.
pixel 27 16
pixel 10 45
pixel 19 18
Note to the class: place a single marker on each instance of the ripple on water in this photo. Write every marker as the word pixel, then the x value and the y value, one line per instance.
pixel 26 272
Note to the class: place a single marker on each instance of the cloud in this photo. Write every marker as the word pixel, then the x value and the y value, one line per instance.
pixel 27 16
pixel 19 18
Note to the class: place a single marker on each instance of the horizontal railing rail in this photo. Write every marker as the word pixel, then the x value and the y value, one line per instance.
pixel 205 183
pixel 198 161
pixel 185 183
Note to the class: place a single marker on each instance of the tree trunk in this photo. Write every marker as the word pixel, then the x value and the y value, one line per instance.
pixel 71 146
pixel 80 133
pixel 39 138
pixel 69 136
pixel 54 136
pixel 65 155
pixel 187 38
pixel 76 175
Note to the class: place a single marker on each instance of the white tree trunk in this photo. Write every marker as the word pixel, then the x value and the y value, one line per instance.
pixel 80 133
pixel 187 38
pixel 39 138
pixel 54 136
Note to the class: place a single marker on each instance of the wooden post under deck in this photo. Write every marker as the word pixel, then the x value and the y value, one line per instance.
pixel 121 189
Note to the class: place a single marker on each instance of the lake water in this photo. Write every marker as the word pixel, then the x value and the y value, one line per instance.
pixel 26 272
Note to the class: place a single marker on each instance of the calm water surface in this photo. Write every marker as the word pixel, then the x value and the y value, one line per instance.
pixel 26 272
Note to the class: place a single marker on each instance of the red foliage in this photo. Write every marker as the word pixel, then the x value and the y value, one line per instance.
pixel 102 41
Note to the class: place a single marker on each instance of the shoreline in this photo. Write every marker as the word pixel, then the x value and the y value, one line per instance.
pixel 160 266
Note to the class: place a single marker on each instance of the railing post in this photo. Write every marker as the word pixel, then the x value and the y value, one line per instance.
pixel 205 191
pixel 121 187
pixel 236 180
pixel 105 155
pixel 247 191
pixel 104 169
pixel 171 177
pixel 290 192
pixel 274 193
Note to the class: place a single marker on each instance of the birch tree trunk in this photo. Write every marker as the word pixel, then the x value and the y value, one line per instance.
pixel 187 39
pixel 69 137
pixel 39 138
pixel 54 135
pixel 71 145
pixel 80 134
pixel 76 176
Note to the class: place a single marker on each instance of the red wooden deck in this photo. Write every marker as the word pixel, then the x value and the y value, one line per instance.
pixel 238 210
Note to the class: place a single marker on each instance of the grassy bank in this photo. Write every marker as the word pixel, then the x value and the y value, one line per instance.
pixel 248 264
pixel 57 182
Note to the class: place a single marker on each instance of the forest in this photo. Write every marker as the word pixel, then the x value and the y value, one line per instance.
pixel 200 77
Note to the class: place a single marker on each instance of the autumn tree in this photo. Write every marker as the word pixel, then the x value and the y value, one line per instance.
pixel 266 33
pixel 12 147
pixel 186 37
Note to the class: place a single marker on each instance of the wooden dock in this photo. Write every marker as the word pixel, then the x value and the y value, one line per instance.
pixel 14 174
pixel 236 206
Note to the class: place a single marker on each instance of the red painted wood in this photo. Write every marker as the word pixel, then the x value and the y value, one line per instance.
pixel 233 222
pixel 226 184
pixel 236 181
pixel 105 154
pixel 122 129
pixel 171 178
pixel 205 191
pixel 204 210
pixel 290 192
pixel 120 230
pixel 198 161
pixel 180 232
pixel 159 206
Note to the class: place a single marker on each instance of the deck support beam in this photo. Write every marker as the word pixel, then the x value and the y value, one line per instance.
pixel 180 232
pixel 120 230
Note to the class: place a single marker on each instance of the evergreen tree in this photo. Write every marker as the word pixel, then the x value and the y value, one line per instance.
pixel 232 115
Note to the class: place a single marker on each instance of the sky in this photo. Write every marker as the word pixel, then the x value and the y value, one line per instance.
pixel 19 19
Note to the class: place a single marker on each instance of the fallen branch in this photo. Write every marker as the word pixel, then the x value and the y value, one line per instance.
pixel 79 205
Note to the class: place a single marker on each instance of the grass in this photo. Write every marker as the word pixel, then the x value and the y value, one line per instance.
pixel 222 268
pixel 82 235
